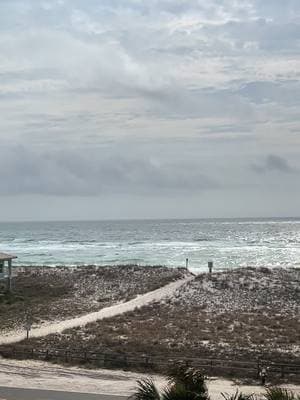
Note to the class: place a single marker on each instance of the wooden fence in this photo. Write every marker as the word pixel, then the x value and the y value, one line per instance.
pixel 217 367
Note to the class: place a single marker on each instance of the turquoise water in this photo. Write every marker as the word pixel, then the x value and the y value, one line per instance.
pixel 229 243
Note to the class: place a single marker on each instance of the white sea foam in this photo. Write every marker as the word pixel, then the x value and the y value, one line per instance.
pixel 229 243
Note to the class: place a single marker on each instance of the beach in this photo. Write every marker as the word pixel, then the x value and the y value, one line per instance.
pixel 243 314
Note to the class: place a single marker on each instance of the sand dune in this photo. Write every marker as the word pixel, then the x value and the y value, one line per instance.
pixel 120 308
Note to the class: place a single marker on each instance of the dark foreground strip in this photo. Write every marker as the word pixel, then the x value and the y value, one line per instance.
pixel 36 394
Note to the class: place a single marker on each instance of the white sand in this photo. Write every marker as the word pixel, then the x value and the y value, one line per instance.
pixel 218 386
pixel 41 375
pixel 108 312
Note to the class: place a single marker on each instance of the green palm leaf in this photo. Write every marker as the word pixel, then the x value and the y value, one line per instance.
pixel 146 390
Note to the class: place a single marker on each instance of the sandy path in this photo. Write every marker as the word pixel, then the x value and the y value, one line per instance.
pixel 47 376
pixel 121 308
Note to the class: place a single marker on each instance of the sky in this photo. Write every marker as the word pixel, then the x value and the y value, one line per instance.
pixel 116 109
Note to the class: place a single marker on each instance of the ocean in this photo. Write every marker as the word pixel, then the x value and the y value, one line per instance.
pixel 229 243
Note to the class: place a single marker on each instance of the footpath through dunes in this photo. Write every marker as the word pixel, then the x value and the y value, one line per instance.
pixel 140 301
pixel 53 294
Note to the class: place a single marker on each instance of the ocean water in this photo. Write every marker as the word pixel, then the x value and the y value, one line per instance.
pixel 228 243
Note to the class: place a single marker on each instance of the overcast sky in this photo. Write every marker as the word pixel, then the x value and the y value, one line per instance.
pixel 144 109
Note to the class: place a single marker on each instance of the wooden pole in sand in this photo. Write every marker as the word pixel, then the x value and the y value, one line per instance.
pixel 28 324
pixel 186 263
pixel 9 285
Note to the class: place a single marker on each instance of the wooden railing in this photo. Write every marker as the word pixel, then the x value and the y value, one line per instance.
pixel 216 367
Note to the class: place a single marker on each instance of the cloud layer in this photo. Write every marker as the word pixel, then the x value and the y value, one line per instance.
pixel 169 98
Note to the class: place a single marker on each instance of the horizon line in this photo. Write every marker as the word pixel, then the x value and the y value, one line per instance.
pixel 150 219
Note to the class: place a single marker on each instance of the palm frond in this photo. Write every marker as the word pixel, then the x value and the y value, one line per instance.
pixel 278 393
pixel 192 379
pixel 178 392
pixel 146 390
pixel 238 396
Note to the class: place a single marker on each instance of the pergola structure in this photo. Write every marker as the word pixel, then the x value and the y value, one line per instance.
pixel 6 268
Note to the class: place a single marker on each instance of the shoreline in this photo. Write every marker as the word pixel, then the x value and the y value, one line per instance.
pixel 230 244
pixel 19 269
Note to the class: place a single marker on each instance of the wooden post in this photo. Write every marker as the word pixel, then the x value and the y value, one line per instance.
pixel 9 278
pixel 186 263
pixel 28 324
pixel 125 360
pixel 85 357
pixel 210 266
pixel 258 369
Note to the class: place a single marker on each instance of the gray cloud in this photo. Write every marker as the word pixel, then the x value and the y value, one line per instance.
pixel 73 172
pixel 280 92
pixel 273 163
pixel 260 34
